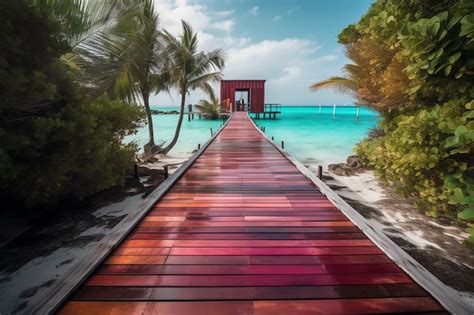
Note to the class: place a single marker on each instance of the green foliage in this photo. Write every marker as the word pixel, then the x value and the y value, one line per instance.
pixel 419 76
pixel 56 142
pixel 440 53
pixel 74 152
pixel 30 44
pixel 429 153
pixel 210 108
pixel 349 35
pixel 190 69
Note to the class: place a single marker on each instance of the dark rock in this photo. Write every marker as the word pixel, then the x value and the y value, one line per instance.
pixel 155 179
pixel 146 171
pixel 339 169
pixel 346 169
pixel 353 161
pixel 155 176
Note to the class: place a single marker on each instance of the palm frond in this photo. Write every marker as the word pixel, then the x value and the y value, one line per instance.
pixel 211 108
pixel 339 84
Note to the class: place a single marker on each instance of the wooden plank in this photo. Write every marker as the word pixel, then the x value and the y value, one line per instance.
pixel 244 280
pixel 247 293
pixel 53 297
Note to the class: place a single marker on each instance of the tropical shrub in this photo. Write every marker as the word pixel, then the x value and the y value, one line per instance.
pixel 429 154
pixel 413 61
pixel 75 152
pixel 55 141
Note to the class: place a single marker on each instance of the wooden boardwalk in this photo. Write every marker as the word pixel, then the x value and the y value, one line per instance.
pixel 243 231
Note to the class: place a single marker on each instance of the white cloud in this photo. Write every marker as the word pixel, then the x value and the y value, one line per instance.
pixel 225 26
pixel 254 11
pixel 290 65
pixel 327 58
pixel 172 12
pixel 277 18
pixel 222 14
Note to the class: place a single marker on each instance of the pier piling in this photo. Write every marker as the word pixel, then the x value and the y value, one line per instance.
pixel 190 112
pixel 165 171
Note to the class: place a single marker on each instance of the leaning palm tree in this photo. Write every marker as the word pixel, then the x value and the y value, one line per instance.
pixel 210 108
pixel 190 69
pixel 129 62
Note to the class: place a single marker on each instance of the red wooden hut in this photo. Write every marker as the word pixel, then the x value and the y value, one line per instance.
pixel 254 88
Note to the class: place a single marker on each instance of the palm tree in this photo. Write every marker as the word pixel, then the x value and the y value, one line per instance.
pixel 376 77
pixel 210 108
pixel 84 23
pixel 116 47
pixel 129 62
pixel 190 69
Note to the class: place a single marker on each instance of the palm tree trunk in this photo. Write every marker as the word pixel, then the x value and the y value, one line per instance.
pixel 149 148
pixel 178 127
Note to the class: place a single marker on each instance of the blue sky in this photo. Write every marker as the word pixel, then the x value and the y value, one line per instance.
pixel 288 43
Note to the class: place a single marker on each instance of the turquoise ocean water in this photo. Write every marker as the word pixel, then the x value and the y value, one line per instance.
pixel 317 137
pixel 310 136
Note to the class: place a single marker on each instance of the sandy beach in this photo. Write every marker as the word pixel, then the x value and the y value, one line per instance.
pixel 435 243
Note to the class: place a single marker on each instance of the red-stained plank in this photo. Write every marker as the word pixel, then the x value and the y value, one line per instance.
pixel 362 306
pixel 244 232
pixel 276 251
pixel 247 293
pixel 301 269
pixel 245 280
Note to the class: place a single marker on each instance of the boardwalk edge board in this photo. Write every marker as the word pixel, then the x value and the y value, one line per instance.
pixel 445 295
pixel 63 287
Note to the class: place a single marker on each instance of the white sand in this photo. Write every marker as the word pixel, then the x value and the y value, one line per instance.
pixel 393 213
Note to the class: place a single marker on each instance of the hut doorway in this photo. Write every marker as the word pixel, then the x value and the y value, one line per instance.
pixel 242 100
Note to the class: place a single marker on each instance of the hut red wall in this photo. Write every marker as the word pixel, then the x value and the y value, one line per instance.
pixel 257 92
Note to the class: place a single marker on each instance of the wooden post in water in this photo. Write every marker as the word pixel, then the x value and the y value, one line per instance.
pixel 282 144
pixel 357 113
pixel 211 132
pixel 136 169
pixel 165 171
pixel 199 146
pixel 190 110
pixel 320 172
pixel 334 111
pixel 273 138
